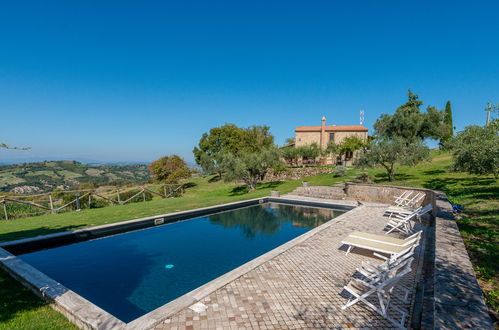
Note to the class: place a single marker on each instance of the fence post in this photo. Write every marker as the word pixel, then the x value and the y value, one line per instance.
pixel 171 190
pixel 119 201
pixel 164 190
pixel 77 201
pixel 51 204
pixel 89 199
pixel 143 195
pixel 5 210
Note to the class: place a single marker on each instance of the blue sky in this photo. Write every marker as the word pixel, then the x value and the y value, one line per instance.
pixel 132 81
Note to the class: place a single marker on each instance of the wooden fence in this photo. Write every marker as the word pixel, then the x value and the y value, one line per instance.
pixel 54 202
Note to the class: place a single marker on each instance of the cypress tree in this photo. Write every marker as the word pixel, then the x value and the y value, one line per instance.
pixel 450 128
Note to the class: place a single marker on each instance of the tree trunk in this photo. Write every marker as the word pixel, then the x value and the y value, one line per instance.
pixel 391 175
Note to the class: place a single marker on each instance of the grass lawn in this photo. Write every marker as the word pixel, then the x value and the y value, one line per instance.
pixel 478 225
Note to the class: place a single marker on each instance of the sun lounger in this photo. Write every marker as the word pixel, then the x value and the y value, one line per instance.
pixel 383 289
pixel 403 223
pixel 374 272
pixel 376 246
pixel 406 206
pixel 399 200
pixel 387 239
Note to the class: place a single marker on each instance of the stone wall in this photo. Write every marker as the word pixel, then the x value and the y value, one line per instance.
pixel 335 192
pixel 296 173
pixel 458 301
pixel 306 138
pixel 363 192
pixel 382 193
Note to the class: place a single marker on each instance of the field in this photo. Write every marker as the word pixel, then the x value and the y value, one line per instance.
pixel 479 225
pixel 47 176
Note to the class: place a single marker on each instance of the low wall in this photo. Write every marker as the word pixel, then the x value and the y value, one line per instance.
pixel 364 192
pixel 458 302
pixel 381 193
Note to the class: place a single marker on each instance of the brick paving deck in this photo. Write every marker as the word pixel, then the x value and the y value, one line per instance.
pixel 302 288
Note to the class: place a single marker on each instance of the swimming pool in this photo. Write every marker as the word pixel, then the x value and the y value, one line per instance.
pixel 133 273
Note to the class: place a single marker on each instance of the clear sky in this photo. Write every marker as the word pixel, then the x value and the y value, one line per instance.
pixel 132 81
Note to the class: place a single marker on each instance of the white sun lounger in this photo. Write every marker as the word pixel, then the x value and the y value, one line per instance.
pixel 361 290
pixel 386 239
pixel 378 246
pixel 406 205
pixel 403 223
pixel 373 272
pixel 399 200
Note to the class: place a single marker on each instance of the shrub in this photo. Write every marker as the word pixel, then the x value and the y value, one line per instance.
pixel 169 169
pixel 140 198
pixel 94 203
pixel 363 177
pixel 340 171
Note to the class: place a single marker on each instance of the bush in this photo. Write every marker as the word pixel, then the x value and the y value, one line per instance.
pixel 362 177
pixel 340 171
pixel 94 203
pixel 140 198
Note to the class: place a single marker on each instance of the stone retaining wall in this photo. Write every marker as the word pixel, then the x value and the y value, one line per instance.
pixel 337 193
pixel 382 193
pixel 457 298
pixel 296 173
pixel 362 192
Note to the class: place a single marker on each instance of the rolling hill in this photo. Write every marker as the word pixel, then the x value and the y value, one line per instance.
pixel 44 176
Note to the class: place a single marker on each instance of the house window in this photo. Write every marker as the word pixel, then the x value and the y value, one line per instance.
pixel 331 137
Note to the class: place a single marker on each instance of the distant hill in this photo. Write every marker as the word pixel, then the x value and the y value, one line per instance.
pixel 44 176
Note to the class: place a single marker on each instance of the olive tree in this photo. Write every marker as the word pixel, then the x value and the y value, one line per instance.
pixel 213 146
pixel 290 154
pixel 251 167
pixel 391 153
pixel 476 149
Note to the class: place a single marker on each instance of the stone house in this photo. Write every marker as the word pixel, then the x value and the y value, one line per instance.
pixel 323 134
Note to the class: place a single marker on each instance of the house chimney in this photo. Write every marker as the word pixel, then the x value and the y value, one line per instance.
pixel 323 133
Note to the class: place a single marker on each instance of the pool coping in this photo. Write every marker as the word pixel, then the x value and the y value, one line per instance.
pixel 86 315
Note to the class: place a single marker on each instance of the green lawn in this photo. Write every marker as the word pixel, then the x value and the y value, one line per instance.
pixel 478 225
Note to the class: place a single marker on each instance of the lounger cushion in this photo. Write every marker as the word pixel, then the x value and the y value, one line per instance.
pixel 378 238
pixel 375 246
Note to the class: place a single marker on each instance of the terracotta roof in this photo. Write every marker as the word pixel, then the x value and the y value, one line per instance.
pixel 332 128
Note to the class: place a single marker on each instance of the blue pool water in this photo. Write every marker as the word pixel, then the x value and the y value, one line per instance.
pixel 133 273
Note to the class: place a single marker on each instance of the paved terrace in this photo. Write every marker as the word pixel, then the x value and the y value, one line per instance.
pixel 300 288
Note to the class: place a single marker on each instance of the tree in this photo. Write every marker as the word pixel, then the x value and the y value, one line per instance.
pixel 256 138
pixel 212 164
pixel 350 144
pixel 6 146
pixel 311 151
pixel 410 123
pixel 229 139
pixel 390 153
pixel 169 169
pixel 290 141
pixel 290 155
pixel 251 167
pixel 476 149
pixel 331 150
pixel 449 125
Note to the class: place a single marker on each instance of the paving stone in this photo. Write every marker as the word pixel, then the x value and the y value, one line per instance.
pixel 302 287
